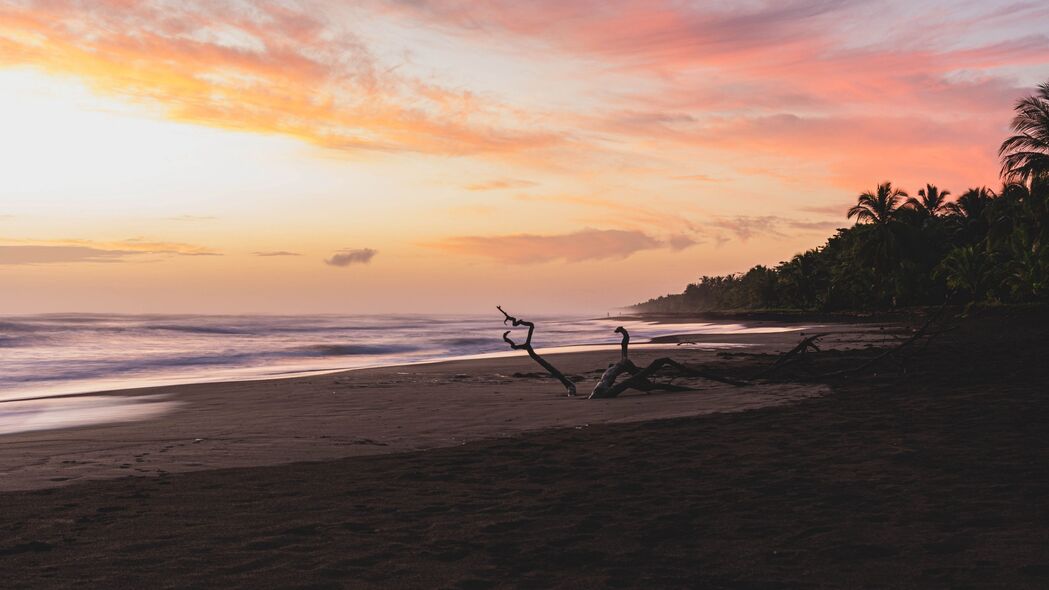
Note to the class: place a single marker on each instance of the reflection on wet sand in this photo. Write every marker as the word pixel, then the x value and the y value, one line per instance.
pixel 68 412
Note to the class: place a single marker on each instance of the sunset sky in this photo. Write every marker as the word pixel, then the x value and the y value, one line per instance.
pixel 443 156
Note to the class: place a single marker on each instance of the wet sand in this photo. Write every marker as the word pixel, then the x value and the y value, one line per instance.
pixel 934 478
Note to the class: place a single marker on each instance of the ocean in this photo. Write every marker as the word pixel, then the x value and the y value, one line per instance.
pixel 56 354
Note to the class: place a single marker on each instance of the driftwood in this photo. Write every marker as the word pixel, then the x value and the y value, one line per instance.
pixel 797 354
pixel 794 355
pixel 639 377
pixel 527 347
pixel 892 353
pixel 606 383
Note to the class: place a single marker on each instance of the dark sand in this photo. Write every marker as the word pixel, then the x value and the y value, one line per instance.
pixel 939 478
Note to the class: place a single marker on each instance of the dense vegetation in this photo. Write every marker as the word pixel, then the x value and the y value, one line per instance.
pixel 983 246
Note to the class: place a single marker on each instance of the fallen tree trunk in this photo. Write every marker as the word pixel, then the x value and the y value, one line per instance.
pixel 527 347
pixel 607 382
pixel 607 387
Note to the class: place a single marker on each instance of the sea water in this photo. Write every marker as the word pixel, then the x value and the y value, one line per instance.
pixel 56 354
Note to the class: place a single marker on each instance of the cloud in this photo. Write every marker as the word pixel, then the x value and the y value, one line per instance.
pixel 831 210
pixel 502 183
pixel 584 245
pixel 850 150
pixel 58 254
pixel 643 33
pixel 804 93
pixel 276 253
pixel 69 251
pixel 348 257
pixel 745 226
pixel 146 246
pixel 681 241
pixel 288 68
pixel 871 84
pixel 748 226
pixel 819 226
pixel 631 214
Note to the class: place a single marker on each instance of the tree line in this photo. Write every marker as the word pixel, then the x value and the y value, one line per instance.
pixel 982 246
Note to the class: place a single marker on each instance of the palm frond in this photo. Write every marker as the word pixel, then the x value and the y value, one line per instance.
pixel 1026 154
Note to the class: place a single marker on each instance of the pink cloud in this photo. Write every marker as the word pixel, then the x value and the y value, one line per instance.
pixel 802 77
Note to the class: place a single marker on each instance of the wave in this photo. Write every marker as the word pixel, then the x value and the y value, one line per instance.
pixel 84 352
pixel 355 349
pixel 18 327
pixel 469 341
pixel 81 370
pixel 197 329
pixel 89 369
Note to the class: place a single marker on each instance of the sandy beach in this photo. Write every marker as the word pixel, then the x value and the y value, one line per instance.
pixel 364 412
pixel 936 478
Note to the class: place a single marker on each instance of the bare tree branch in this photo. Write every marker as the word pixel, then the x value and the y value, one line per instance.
pixel 527 347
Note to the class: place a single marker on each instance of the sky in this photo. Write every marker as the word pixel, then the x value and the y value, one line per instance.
pixel 442 156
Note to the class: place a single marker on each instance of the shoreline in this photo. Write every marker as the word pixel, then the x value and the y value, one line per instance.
pixel 657 343
pixel 103 384
pixel 359 412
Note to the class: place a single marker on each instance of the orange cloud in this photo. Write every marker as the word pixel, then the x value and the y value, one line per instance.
pixel 268 68
pixel 580 246
pixel 632 214
pixel 70 251
pixel 58 254
pixel 851 150
pixel 275 253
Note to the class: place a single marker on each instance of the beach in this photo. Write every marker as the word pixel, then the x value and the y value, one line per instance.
pixel 189 427
pixel 464 475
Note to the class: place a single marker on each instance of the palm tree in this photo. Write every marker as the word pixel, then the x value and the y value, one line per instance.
pixel 883 238
pixel 972 204
pixel 1026 154
pixel 878 207
pixel 968 214
pixel 930 202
